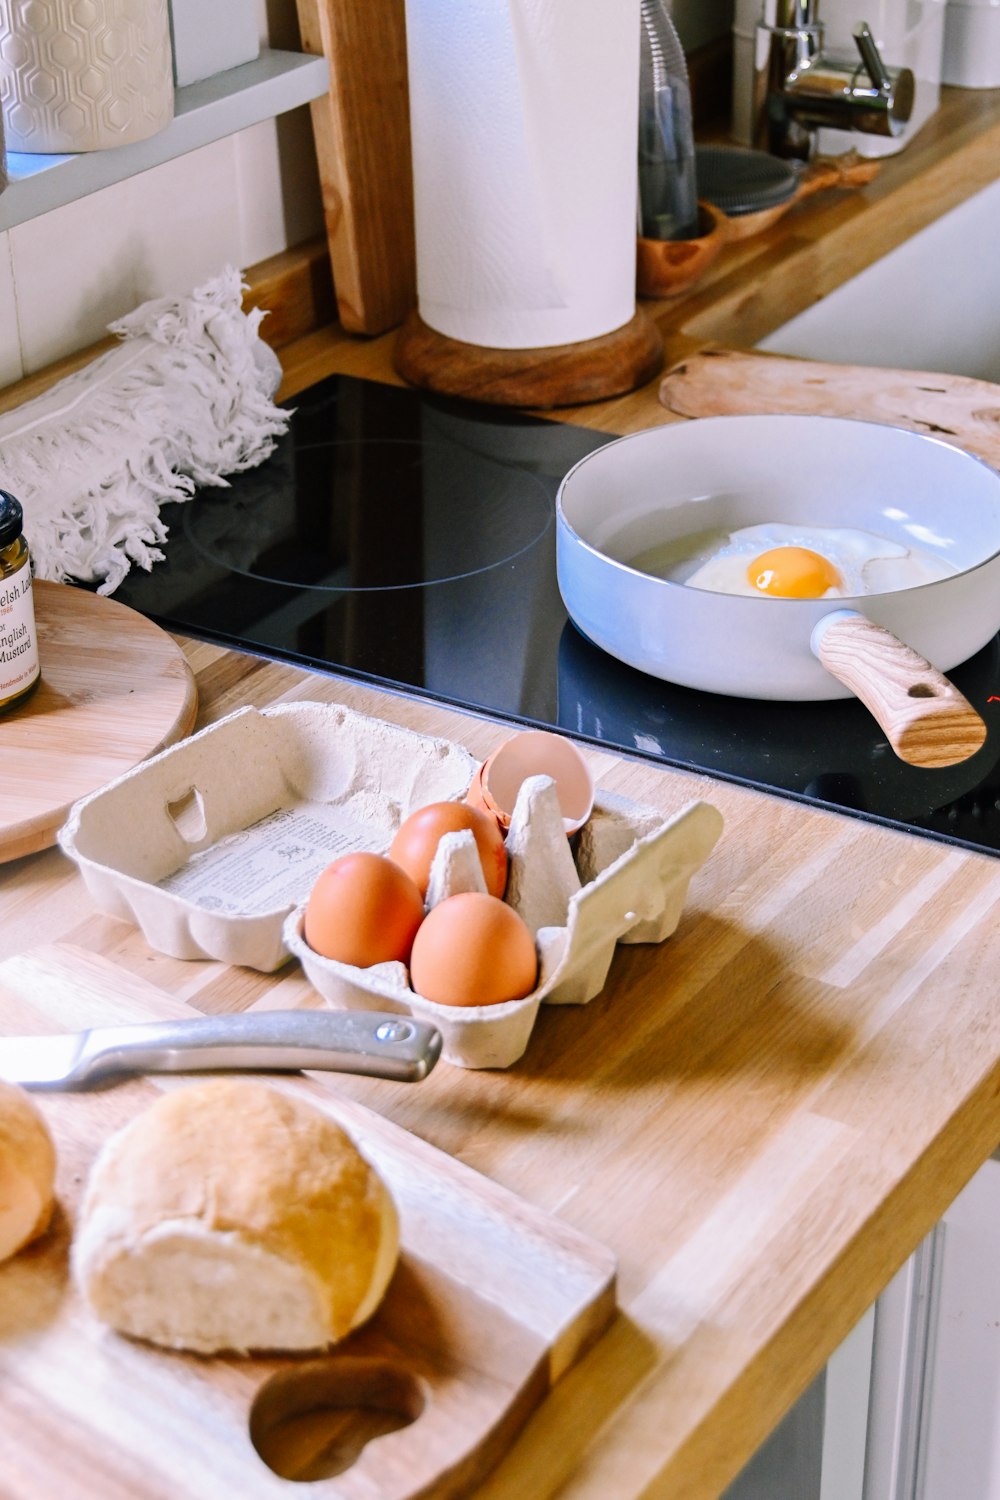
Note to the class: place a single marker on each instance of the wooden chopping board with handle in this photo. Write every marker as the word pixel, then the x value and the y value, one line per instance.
pixel 115 689
pixel 722 382
pixel 493 1299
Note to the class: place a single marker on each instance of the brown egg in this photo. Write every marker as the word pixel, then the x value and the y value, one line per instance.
pixel 363 910
pixel 418 836
pixel 473 949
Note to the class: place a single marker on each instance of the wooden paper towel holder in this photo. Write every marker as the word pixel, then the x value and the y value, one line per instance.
pixel 560 375
pixel 362 133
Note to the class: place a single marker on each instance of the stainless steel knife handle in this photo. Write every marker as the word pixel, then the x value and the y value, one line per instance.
pixel 376 1043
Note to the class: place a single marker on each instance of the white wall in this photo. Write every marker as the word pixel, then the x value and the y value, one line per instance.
pixel 66 274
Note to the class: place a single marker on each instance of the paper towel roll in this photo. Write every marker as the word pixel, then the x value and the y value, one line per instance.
pixel 524 119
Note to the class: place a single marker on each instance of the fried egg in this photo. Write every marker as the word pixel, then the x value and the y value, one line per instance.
pixel 814 562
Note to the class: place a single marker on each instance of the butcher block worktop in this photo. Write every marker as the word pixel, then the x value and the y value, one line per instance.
pixel 761 1117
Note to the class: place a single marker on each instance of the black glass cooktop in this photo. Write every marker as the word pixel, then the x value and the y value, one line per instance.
pixel 410 541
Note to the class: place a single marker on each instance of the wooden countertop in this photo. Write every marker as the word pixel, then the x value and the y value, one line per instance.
pixel 763 1116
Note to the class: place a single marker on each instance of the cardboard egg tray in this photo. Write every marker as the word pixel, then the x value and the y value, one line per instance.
pixel 627 882
pixel 212 847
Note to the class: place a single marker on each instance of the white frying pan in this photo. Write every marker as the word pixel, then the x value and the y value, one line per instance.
pixel 727 472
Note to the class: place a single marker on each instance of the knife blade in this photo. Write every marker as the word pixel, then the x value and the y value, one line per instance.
pixel 376 1043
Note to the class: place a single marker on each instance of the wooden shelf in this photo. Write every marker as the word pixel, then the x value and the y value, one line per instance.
pixel 203 112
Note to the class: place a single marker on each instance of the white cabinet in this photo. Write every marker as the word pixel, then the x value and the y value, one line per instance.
pixel 909 1406
pixel 958 1438
pixel 818 1451
pixel 934 1427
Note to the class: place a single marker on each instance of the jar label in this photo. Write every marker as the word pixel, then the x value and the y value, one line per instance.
pixel 18 642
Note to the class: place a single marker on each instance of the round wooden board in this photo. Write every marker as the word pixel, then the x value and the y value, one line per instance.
pixel 115 689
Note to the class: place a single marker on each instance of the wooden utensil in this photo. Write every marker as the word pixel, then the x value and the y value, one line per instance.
pixel 823 173
pixel 665 268
pixel 721 382
pixel 493 1300
pixel 115 689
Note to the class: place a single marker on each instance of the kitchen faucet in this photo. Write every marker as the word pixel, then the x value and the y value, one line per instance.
pixel 797 87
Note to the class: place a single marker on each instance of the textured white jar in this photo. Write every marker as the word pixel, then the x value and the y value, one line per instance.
pixel 83 75
pixel 972 44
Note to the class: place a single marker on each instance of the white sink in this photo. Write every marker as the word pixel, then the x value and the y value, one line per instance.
pixel 933 304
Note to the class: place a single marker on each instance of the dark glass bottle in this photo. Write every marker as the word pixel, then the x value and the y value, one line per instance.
pixel 668 194
pixel 19 666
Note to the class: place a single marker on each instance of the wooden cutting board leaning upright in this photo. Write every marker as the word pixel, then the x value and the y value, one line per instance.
pixel 491 1302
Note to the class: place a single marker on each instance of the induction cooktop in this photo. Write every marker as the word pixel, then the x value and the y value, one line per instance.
pixel 409 541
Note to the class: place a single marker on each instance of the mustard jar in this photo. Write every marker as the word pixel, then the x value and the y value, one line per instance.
pixel 19 667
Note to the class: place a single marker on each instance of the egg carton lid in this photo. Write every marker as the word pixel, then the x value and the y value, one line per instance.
pixel 209 845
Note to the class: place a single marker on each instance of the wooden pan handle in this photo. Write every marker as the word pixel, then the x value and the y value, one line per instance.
pixel 926 719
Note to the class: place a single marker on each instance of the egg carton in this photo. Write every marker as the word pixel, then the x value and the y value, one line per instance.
pixel 208 846
pixel 626 882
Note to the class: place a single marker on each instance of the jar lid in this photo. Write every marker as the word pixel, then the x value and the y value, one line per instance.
pixel 11 519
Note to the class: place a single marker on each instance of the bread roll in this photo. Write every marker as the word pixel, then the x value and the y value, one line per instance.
pixel 27 1170
pixel 231 1216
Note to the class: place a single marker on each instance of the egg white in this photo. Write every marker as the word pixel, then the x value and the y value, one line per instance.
pixel 867 563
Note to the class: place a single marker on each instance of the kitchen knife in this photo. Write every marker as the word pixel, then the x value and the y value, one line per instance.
pixel 375 1043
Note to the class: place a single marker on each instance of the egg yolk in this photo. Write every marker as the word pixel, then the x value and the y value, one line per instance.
pixel 793 573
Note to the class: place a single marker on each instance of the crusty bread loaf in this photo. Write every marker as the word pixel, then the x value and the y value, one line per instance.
pixel 232 1216
pixel 27 1170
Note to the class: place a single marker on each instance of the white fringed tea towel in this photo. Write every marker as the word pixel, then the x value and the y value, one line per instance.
pixel 184 400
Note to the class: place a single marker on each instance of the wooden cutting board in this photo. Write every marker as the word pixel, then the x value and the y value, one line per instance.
pixel 723 382
pixel 115 689
pixel 492 1301
pixel 361 130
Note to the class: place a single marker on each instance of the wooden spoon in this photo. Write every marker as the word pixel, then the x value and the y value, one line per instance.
pixel 847 171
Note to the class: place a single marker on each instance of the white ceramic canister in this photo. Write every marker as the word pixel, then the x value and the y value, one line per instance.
pixel 83 75
pixel 972 44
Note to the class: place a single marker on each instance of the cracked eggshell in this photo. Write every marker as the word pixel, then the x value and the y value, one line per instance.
pixel 534 752
pixel 641 888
